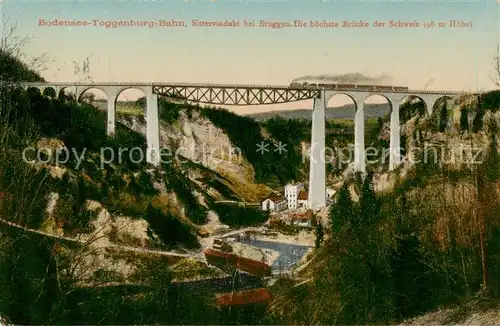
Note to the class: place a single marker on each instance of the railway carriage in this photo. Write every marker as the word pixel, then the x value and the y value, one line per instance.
pixel 366 88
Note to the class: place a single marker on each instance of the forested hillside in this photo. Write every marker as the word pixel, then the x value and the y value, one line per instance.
pixel 430 242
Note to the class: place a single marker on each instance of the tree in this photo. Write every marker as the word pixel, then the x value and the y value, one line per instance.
pixel 314 221
pixel 380 124
pixel 141 102
pixel 464 120
pixel 477 123
pixel 342 212
pixel 495 75
pixel 402 143
pixel 443 118
pixel 49 92
pixel 319 233
pixel 486 177
pixel 369 203
pixel 12 46
pixel 89 97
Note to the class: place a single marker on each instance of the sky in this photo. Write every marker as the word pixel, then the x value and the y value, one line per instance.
pixel 436 58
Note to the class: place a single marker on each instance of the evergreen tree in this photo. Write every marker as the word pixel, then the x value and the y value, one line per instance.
pixel 477 123
pixel 319 234
pixel 380 124
pixel 314 221
pixel 402 214
pixel 402 143
pixel 49 92
pixel 464 120
pixel 341 213
pixel 369 203
pixel 443 118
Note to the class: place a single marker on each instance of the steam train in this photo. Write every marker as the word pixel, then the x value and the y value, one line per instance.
pixel 367 88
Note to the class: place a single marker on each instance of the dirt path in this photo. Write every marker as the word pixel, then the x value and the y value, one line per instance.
pixel 198 255
pixel 109 245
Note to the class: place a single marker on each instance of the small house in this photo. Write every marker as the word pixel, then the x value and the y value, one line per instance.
pixel 274 202
pixel 302 199
pixel 303 219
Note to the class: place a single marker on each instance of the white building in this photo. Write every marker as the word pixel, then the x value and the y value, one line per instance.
pixel 292 193
pixel 274 202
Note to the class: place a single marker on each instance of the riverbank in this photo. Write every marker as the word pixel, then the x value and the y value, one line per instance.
pixel 303 238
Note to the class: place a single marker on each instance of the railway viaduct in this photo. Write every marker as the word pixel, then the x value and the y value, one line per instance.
pixel 244 95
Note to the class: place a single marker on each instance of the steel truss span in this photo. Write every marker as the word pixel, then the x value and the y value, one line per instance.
pixel 236 95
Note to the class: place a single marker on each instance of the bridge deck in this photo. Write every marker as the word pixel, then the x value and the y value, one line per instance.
pixel 240 94
pixel 235 86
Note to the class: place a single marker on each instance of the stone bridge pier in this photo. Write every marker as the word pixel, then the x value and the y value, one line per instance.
pixel 112 92
pixel 317 173
pixel 217 94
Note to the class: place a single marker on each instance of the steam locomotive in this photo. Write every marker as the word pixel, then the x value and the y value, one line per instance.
pixel 367 88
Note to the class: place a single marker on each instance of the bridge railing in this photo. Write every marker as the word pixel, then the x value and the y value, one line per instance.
pixel 244 86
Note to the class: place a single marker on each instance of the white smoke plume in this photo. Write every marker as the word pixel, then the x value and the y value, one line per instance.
pixel 429 83
pixel 349 78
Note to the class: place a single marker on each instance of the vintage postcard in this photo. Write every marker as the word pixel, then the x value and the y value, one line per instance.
pixel 193 162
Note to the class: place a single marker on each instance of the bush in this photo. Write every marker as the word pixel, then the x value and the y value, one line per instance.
pixel 169 111
pixel 171 231
pixel 236 216
pixel 183 186
pixel 13 70
pixel 491 101
pixel 464 120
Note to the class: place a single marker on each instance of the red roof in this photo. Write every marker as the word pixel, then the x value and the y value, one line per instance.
pixel 275 197
pixel 303 216
pixel 303 195
pixel 243 297
pixel 251 266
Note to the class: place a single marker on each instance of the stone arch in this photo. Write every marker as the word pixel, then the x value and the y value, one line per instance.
pixel 347 102
pixel 440 100
pixel 339 133
pixel 66 92
pixel 412 105
pixel 441 115
pixel 50 91
pixel 377 117
pixel 330 96
pixel 80 93
pixel 34 90
pixel 411 134
pixel 383 96
pixel 134 105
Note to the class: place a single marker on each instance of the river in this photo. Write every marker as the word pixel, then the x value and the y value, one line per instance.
pixel 290 254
